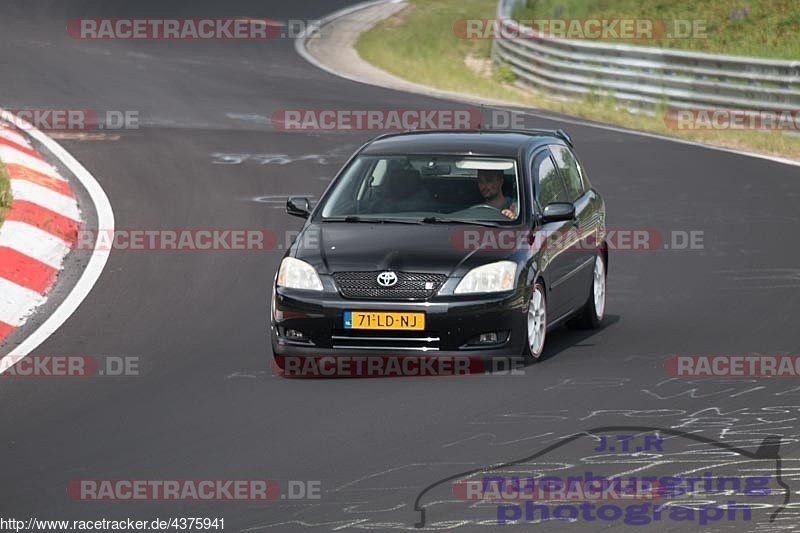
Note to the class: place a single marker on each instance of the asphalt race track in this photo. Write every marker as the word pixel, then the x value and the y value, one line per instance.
pixel 207 405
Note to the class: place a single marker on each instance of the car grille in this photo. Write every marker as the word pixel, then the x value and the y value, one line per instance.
pixel 409 286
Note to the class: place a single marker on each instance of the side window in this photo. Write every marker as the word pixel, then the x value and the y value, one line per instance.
pixel 569 168
pixel 584 177
pixel 549 185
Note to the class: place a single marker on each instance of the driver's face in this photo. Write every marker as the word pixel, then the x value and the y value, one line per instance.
pixel 490 184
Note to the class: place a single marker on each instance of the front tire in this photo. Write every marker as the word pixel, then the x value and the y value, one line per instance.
pixel 536 324
pixel 592 313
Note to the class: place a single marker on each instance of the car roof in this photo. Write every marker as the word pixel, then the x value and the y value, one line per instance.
pixel 496 143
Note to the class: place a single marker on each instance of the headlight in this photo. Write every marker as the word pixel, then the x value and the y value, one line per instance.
pixel 297 274
pixel 494 277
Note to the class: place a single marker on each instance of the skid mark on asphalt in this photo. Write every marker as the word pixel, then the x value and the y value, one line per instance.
pixel 692 388
pixel 223 158
pixel 73 136
pixel 589 383
pixel 249 374
pixel 493 441
pixel 383 498
pixel 761 278
pixel 747 426
pixel 514 418
pixel 337 154
pixel 250 117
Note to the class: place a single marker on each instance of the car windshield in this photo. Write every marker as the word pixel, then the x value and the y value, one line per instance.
pixel 426 189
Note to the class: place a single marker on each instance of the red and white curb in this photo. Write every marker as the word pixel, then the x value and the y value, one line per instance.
pixel 40 229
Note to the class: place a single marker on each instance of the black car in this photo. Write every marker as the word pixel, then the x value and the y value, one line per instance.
pixel 444 243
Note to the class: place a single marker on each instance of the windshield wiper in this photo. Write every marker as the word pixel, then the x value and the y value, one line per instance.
pixel 354 218
pixel 441 220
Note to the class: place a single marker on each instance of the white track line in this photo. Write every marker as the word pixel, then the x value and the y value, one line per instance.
pixel 97 261
pixel 47 198
pixel 300 48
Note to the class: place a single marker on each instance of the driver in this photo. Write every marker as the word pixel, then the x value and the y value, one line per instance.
pixel 490 183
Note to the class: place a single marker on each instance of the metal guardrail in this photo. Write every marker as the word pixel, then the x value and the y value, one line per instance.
pixel 645 76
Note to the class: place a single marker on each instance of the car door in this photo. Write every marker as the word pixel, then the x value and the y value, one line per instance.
pixel 556 265
pixel 583 251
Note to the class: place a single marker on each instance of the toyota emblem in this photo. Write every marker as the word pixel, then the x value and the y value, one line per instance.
pixel 387 279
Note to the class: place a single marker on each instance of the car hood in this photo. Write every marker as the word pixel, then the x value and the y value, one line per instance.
pixel 431 248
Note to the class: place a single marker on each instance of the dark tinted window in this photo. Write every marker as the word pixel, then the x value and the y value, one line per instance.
pixel 418 186
pixel 549 185
pixel 569 170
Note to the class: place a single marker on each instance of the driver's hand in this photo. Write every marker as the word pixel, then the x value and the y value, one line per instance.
pixel 511 212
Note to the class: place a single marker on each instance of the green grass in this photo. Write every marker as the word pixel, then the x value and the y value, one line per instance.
pixel 419 44
pixel 5 192
pixel 760 28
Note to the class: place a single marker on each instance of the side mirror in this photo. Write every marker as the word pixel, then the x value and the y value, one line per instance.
pixel 298 206
pixel 558 212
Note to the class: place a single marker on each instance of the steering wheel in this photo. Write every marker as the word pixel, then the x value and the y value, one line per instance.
pixel 485 206
pixel 481 211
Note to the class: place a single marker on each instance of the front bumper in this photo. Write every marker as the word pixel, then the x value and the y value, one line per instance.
pixel 451 323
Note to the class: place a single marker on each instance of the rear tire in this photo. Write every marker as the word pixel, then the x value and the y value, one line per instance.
pixel 591 314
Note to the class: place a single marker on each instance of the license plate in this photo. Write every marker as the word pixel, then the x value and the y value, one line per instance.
pixel 383 320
